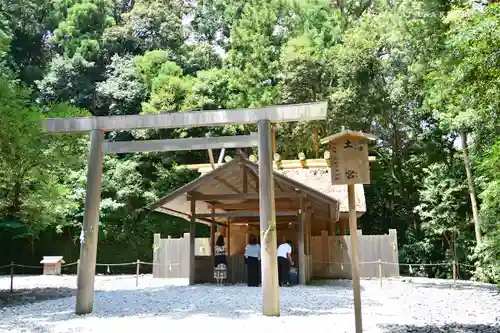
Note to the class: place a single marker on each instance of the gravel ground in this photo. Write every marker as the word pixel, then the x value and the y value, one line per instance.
pixel 401 305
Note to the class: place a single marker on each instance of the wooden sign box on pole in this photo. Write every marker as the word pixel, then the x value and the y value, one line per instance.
pixel 349 159
pixel 350 165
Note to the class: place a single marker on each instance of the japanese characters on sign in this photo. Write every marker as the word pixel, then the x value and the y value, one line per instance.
pixel 335 163
pixel 349 161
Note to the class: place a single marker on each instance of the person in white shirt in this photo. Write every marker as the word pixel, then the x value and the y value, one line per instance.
pixel 252 259
pixel 284 261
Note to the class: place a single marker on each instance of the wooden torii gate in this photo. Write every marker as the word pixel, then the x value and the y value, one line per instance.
pixel 97 126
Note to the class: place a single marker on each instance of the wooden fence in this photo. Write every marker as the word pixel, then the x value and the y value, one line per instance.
pixel 331 255
pixel 171 257
pixel 329 258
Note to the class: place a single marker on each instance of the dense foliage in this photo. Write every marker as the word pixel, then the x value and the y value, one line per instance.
pixel 420 75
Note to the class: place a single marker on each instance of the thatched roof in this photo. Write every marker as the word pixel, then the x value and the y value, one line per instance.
pixel 320 180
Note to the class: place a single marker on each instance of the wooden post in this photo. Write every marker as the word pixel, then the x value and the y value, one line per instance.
pixel 88 247
pixel 211 158
pixel 380 271
pixel 230 269
pixel 354 258
pixel 309 230
pixel 454 270
pixel 221 156
pixel 212 240
pixel 316 140
pixel 270 291
pixel 192 237
pixel 302 253
pixel 309 240
pixel 156 255
pixel 213 229
pixel 137 273
pixel 343 227
pixel 11 277
pixel 228 236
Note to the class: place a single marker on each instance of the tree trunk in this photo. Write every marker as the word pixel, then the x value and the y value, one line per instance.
pixel 472 187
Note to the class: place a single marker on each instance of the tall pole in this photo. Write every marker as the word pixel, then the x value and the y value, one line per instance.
pixel 353 227
pixel 88 246
pixel 270 291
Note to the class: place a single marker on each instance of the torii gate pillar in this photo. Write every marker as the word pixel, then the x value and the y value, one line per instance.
pixel 90 230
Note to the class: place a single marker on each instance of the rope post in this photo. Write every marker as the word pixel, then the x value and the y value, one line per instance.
pixel 454 270
pixel 11 277
pixel 137 273
pixel 380 271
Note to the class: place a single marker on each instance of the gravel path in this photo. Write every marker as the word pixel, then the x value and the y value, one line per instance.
pixel 402 306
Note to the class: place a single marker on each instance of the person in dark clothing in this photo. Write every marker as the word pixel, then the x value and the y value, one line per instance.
pixel 284 262
pixel 252 259
pixel 220 261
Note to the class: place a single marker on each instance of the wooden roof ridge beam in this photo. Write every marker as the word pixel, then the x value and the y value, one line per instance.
pixel 277 113
pixel 344 132
pixel 282 165
pixel 216 142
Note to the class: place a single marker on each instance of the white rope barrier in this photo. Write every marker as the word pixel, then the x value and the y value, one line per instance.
pixel 317 261
pixel 454 265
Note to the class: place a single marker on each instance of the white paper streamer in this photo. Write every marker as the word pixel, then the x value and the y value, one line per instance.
pixel 82 237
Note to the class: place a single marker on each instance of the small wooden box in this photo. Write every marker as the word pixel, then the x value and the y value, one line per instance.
pixel 52 265
pixel 349 157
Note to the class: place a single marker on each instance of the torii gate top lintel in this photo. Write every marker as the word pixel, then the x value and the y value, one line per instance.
pixel 278 113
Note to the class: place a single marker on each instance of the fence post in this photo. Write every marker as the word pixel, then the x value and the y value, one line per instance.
pixel 137 273
pixel 11 277
pixel 380 271
pixel 454 270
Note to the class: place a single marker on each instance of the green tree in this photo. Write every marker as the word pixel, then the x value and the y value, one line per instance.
pixel 27 23
pixel 443 206
pixel 150 25
pixel 168 90
pixel 69 80
pixel 488 253
pixel 81 31
pixel 33 165
pixel 122 92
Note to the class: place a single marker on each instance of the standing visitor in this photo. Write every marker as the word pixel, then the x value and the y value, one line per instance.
pixel 220 261
pixel 284 261
pixel 252 259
